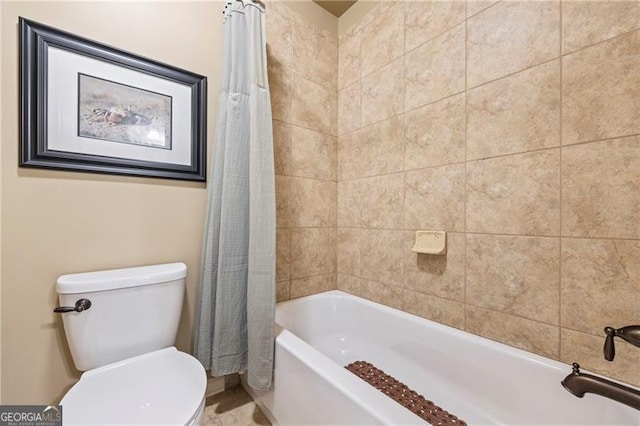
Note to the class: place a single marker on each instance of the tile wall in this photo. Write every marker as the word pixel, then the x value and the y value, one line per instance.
pixel 302 61
pixel 512 125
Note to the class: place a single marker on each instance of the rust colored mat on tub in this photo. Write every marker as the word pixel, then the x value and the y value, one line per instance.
pixel 403 394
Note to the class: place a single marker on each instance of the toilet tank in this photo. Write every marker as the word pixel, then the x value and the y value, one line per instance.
pixel 133 311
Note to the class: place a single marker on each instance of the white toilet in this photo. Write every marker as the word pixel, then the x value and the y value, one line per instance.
pixel 121 325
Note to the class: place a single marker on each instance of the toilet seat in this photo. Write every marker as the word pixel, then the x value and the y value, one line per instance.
pixel 164 387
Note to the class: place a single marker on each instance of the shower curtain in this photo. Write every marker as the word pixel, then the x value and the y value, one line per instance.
pixel 235 316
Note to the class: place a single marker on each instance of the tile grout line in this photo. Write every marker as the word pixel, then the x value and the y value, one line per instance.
pixel 290 159
pixel 488 233
pixel 511 74
pixel 621 35
pixel 560 193
pixel 404 145
pixel 466 101
pixel 451 164
pixel 336 167
pixel 486 8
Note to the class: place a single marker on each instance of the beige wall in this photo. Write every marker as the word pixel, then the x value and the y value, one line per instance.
pixel 522 145
pixel 303 76
pixel 59 222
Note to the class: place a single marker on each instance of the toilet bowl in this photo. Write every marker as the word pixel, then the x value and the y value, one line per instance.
pixel 123 343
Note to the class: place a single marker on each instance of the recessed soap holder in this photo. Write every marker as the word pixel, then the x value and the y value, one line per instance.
pixel 430 242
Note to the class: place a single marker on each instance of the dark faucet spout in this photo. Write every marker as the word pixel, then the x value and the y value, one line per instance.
pixel 581 383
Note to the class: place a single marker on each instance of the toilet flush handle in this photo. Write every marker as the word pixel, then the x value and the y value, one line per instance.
pixel 81 305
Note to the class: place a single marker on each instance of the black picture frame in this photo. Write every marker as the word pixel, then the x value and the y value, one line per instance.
pixel 36 40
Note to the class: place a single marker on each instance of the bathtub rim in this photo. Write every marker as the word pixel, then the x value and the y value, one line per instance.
pixel 473 338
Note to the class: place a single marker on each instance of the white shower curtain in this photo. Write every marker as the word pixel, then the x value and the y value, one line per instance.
pixel 235 316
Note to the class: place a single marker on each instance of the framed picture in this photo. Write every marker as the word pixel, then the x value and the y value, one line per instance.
pixel 90 107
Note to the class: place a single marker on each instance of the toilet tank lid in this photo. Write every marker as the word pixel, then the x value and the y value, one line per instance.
pixel 120 278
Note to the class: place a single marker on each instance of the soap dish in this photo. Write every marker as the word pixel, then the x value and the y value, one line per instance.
pixel 430 242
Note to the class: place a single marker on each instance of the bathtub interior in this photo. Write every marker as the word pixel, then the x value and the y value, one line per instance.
pixel 480 381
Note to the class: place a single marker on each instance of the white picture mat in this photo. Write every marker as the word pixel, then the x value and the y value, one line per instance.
pixel 62 109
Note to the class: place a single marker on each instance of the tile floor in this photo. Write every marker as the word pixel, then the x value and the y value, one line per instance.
pixel 233 407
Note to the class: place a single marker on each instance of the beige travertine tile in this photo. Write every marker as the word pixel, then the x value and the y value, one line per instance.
pixel 349 107
pixel 281 147
pixel 374 150
pixel 434 308
pixel 374 202
pixel 601 90
pixel 312 202
pixel 601 189
pixel 314 106
pixel 441 276
pixel 434 198
pixel 435 70
pixel 349 59
pixel 312 285
pixel 348 283
pixel 282 290
pixel 476 6
pixel 282 8
pixel 312 154
pixel 381 205
pixel 510 36
pixel 515 114
pixel 283 211
pixel 586 350
pixel 312 252
pixel 514 275
pixel 425 20
pixel 600 284
pixel 532 336
pixel 517 194
pixel 383 39
pixel 434 134
pixel 315 54
pixel 389 295
pixel 349 203
pixel 283 254
pixel 381 255
pixel 281 89
pixel 587 22
pixel 279 34
pixel 348 256
pixel 383 93
pixel 380 9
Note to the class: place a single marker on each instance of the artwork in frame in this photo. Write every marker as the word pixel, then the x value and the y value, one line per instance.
pixel 89 107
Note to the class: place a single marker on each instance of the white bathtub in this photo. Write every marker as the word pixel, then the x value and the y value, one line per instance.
pixel 480 381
